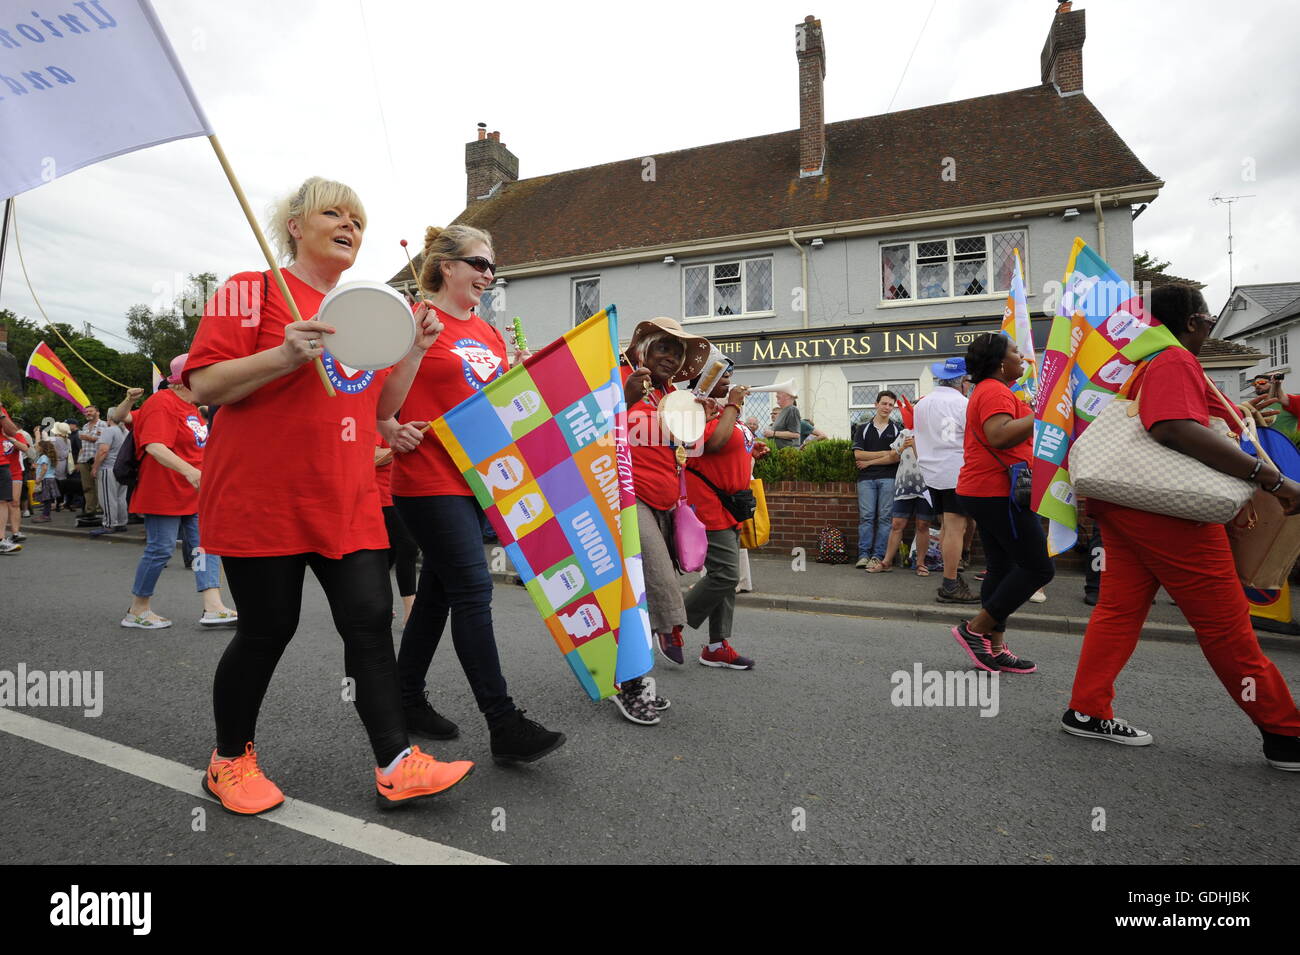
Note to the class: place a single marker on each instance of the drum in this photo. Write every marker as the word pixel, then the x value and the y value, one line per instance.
pixel 374 327
pixel 682 416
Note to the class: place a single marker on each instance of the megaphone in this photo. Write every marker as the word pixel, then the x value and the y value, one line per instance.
pixel 787 386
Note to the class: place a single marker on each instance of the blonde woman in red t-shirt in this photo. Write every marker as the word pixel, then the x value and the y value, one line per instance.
pixel 438 507
pixel 999 429
pixel 318 507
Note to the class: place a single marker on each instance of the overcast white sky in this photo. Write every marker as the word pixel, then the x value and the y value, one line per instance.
pixel 383 94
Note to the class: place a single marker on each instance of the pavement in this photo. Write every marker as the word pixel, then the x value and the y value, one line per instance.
pixel 809 758
pixel 798 583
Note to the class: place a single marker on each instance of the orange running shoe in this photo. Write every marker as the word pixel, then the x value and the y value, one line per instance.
pixel 417 776
pixel 239 784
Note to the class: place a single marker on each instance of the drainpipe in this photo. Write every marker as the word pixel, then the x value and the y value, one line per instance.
pixel 803 285
pixel 1101 225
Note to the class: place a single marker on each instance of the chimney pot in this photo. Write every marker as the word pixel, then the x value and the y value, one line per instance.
pixel 488 165
pixel 482 133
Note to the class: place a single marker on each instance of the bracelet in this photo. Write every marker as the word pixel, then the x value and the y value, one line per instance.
pixel 732 404
pixel 1280 478
pixel 1259 463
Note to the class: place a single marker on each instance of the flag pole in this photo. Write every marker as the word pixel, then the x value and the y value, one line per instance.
pixel 266 249
pixel 4 240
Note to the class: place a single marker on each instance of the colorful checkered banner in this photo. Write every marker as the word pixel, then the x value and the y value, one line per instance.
pixel 544 448
pixel 1100 333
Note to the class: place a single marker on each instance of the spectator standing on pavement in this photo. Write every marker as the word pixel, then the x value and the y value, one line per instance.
pixel 785 431
pixel 999 432
pixel 89 435
pixel 47 488
pixel 725 466
pixel 877 463
pixel 940 419
pixel 112 495
pixel 1192 561
pixel 909 504
pixel 62 434
pixel 170 438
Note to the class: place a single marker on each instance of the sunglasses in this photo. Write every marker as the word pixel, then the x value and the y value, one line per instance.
pixel 478 263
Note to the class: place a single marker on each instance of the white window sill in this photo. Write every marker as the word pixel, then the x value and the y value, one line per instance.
pixel 904 302
pixel 704 320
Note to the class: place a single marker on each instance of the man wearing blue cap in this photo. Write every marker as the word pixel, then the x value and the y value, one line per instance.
pixel 940 421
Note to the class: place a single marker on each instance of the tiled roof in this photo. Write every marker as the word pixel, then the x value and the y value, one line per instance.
pixel 1157 279
pixel 1006 147
pixel 1221 348
pixel 1288 309
pixel 1272 296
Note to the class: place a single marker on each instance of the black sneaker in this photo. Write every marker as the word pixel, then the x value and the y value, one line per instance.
pixel 956 592
pixel 635 699
pixel 1116 731
pixel 1282 752
pixel 424 720
pixel 1008 662
pixel 517 739
pixel 976 647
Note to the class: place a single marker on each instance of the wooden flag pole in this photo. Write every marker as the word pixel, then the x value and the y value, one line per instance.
pixel 266 250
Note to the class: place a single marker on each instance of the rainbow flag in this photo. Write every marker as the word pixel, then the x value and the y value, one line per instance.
pixel 1015 325
pixel 1100 332
pixel 544 448
pixel 44 366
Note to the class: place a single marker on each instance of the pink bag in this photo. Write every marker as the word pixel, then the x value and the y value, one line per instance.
pixel 690 537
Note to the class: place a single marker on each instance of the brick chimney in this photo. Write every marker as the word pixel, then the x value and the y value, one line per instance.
pixel 1062 59
pixel 488 164
pixel 811 54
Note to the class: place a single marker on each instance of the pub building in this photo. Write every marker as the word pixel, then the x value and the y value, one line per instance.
pixel 847 256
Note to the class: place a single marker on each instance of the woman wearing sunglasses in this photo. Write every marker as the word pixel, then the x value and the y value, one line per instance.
pixel 439 508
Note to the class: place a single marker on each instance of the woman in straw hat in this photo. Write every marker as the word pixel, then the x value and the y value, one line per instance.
pixel 661 353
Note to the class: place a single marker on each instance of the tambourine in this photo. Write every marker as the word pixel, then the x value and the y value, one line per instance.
pixel 374 327
pixel 682 416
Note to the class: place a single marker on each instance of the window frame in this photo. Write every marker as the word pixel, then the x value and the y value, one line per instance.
pixel 741 265
pixel 868 410
pixel 952 259
pixel 573 297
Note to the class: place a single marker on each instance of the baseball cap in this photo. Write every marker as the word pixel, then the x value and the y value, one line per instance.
pixel 949 368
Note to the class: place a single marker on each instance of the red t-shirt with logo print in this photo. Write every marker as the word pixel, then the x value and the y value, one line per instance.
pixel 467 355
pixel 654 460
pixel 289 469
pixel 167 419
pixel 729 469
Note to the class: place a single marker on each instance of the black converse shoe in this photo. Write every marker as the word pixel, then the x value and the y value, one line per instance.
pixel 1117 731
pixel 423 720
pixel 519 740
pixel 635 703
pixel 1282 752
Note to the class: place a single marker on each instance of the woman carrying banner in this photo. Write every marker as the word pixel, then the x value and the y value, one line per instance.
pixel 999 427
pixel 318 507
pixel 439 509
pixel 726 466
pixel 661 353
pixel 1193 562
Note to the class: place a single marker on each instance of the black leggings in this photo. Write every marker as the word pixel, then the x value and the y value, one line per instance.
pixel 402 551
pixel 1016 553
pixel 268 594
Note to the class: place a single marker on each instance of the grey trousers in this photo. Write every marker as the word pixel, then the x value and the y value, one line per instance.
pixel 663 594
pixel 112 498
pixel 713 598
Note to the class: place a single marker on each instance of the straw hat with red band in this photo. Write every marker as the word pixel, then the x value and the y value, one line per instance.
pixel 697 346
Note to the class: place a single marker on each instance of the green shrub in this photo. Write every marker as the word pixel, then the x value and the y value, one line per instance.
pixel 820 462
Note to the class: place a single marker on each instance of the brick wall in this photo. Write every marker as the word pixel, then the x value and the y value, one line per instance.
pixel 800 509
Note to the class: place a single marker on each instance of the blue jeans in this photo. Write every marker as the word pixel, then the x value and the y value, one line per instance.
pixel 875 515
pixel 161 534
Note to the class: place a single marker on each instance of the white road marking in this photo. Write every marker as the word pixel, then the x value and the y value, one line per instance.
pixel 316 821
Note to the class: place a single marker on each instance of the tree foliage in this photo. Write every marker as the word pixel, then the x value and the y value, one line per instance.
pixel 1145 261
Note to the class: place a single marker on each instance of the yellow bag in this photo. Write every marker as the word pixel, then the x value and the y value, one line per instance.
pixel 755 531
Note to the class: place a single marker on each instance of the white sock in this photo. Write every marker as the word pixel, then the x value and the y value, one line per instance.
pixel 400 756
pixel 715 647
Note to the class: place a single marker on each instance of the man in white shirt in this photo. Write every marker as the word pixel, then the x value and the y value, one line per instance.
pixel 940 420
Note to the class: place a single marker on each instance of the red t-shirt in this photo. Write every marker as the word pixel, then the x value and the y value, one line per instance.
pixel 1173 387
pixel 384 474
pixel 729 469
pixel 654 461
pixel 11 450
pixel 984 471
pixel 167 419
pixel 467 355
pixel 289 469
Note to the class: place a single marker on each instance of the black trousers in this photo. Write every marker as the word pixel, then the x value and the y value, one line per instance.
pixel 402 551
pixel 1016 553
pixel 268 593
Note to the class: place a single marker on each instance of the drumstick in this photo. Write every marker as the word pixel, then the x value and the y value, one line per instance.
pixel 414 275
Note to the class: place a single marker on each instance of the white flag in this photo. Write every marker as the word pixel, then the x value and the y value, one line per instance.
pixel 95 80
